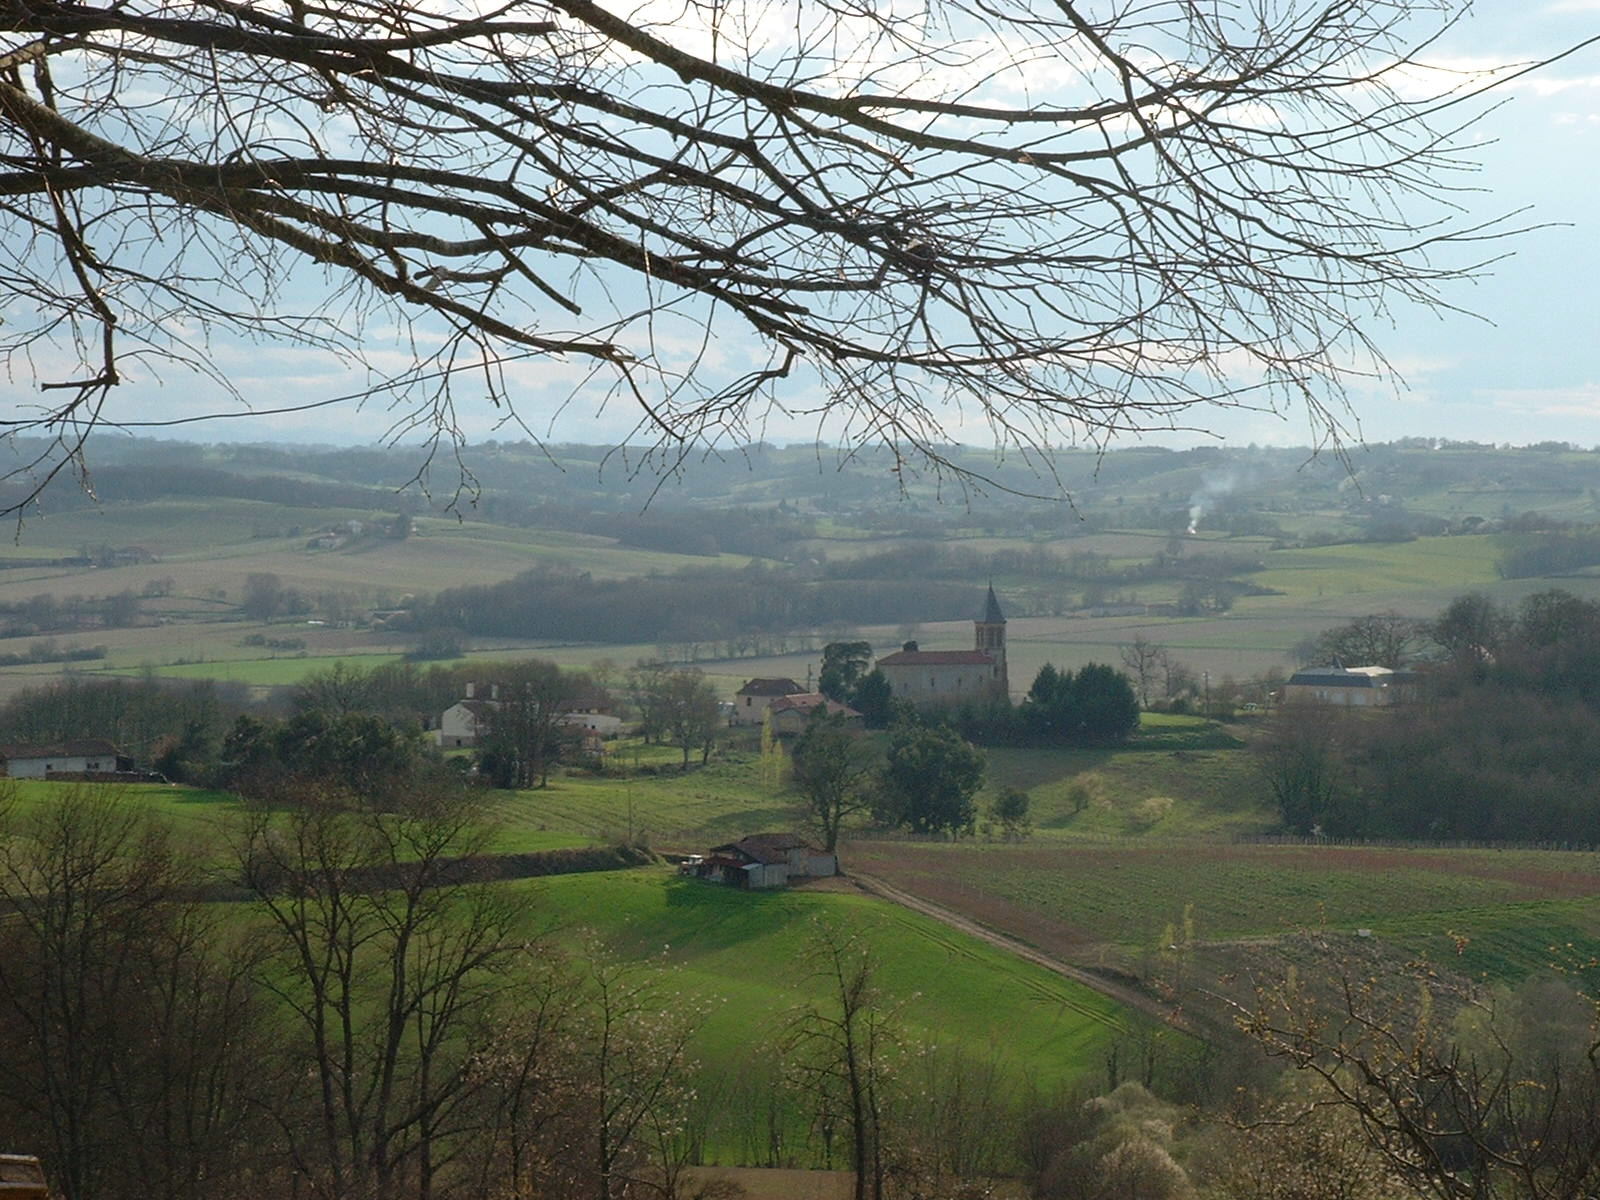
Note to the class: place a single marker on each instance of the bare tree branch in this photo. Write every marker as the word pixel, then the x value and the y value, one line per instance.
pixel 843 215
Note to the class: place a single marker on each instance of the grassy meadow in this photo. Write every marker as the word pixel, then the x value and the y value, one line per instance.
pixel 744 958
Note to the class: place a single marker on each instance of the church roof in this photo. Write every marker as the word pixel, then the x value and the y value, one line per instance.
pixel 991 610
pixel 938 658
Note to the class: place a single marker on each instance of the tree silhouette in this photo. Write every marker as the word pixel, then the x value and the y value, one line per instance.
pixel 1056 221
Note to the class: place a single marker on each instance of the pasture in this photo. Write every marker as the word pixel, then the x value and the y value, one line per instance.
pixel 1494 912
pixel 746 958
pixel 1460 564
pixel 208 548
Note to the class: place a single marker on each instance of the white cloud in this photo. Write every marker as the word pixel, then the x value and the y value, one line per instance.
pixel 1543 85
pixel 1579 400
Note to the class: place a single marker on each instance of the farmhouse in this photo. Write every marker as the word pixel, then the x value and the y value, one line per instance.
pixel 1348 687
pixel 765 860
pixel 467 720
pixel 790 714
pixel 86 756
pixel 755 697
pixel 931 678
pixel 462 723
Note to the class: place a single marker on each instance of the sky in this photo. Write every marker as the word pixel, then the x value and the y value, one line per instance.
pixel 1526 366
pixel 1520 363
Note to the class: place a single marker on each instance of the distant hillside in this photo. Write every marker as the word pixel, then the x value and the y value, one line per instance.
pixel 1231 556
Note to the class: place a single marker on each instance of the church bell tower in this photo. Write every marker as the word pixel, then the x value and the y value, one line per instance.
pixel 989 637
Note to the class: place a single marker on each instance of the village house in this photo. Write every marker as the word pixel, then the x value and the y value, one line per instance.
pixel 1349 687
pixel 764 860
pixel 932 678
pixel 751 702
pixel 462 724
pixel 791 714
pixel 72 759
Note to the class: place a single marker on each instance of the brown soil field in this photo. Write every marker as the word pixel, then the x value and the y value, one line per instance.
pixel 1096 905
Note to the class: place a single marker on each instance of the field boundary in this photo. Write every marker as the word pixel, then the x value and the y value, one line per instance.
pixel 1124 994
pixel 1301 839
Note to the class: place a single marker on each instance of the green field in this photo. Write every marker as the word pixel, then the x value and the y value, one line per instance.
pixel 671 809
pixel 1462 563
pixel 270 672
pixel 743 956
pixel 202 820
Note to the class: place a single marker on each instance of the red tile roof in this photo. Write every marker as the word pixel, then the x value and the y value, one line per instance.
pixel 806 701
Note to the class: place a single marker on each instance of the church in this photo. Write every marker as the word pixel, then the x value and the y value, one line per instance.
pixel 928 678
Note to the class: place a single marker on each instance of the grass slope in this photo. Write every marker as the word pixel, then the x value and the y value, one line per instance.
pixel 744 957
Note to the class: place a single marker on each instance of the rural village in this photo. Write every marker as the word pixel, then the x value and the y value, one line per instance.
pixel 805 601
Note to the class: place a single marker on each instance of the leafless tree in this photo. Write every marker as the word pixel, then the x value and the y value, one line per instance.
pixel 1301 757
pixel 1386 639
pixel 385 959
pixel 839 1050
pixel 1144 659
pixel 523 724
pixel 1059 221
pixel 684 704
pixel 832 769
pixel 132 1038
pixel 1447 1098
pixel 588 1081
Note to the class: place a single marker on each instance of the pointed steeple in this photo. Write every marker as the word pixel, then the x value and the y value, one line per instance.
pixel 991 610
pixel 989 637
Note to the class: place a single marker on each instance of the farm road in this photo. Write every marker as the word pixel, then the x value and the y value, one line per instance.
pixel 1123 994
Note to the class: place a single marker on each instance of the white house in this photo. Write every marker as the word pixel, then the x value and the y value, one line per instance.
pixel 461 724
pixel 1348 687
pixel 85 756
pixel 464 722
pixel 593 724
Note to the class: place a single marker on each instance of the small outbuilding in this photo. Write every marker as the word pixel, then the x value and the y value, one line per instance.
pixel 765 860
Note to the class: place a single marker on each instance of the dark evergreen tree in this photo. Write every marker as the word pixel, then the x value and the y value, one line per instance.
pixel 1103 704
pixel 844 665
pixel 1048 714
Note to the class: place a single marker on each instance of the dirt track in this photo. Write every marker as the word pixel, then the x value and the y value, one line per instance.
pixel 1122 993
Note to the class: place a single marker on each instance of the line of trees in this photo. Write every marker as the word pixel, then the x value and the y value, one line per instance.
pixel 705 605
pixel 1504 743
pixel 1094 706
